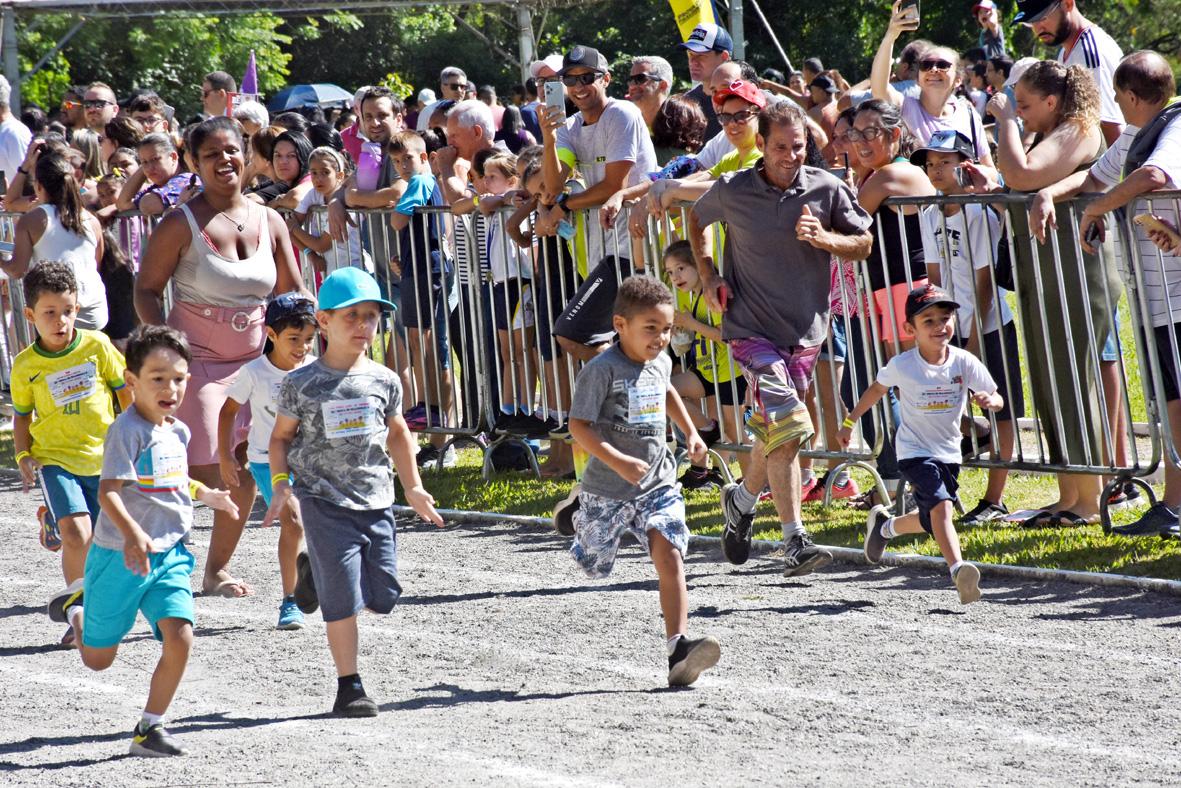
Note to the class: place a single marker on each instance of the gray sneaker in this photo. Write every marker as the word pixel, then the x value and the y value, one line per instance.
pixel 875 543
pixel 739 528
pixel 1157 521
pixel 802 557
pixel 967 583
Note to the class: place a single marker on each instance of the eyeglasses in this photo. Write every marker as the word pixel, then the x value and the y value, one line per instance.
pixel 868 135
pixel 96 103
pixel 640 79
pixel 741 116
pixel 570 80
pixel 148 120
pixel 942 65
pixel 456 86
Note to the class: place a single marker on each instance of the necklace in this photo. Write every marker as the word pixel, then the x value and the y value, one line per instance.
pixel 240 225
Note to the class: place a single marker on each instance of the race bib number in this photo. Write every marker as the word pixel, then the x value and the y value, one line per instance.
pixel 939 399
pixel 645 403
pixel 170 468
pixel 73 384
pixel 345 418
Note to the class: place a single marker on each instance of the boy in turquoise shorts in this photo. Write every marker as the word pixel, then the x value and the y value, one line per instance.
pixel 291 329
pixel 339 423
pixel 61 393
pixel 138 562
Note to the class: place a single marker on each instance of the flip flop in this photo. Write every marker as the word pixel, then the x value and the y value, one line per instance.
pixel 1068 519
pixel 1039 519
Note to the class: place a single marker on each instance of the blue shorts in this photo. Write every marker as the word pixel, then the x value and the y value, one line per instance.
pixel 113 594
pixel 67 494
pixel 932 482
pixel 839 343
pixel 1111 343
pixel 261 471
pixel 600 523
pixel 354 555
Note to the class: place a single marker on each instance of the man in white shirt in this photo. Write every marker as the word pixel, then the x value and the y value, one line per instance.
pixel 14 135
pixel 1060 23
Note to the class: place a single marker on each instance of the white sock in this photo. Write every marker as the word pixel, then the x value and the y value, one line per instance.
pixel 745 500
pixel 792 529
pixel 807 475
pixel 955 568
pixel 887 529
pixel 148 719
pixel 842 478
pixel 671 645
pixel 74 614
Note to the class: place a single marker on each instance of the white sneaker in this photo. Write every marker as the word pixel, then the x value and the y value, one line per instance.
pixel 967 583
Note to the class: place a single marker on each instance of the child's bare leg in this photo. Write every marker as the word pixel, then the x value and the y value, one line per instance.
pixel 674 597
pixel 941 527
pixel 93 658
pixel 178 643
pixel 290 541
pixel 75 530
pixel 1006 438
pixel 507 373
pixel 731 429
pixel 342 642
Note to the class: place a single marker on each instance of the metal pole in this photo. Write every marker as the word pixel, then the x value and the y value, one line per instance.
pixel 736 31
pixel 774 39
pixel 11 63
pixel 56 48
pixel 525 38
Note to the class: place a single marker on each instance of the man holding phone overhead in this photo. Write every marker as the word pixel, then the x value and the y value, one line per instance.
pixel 784 223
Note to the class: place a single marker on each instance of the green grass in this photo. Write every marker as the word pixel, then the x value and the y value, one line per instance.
pixel 1081 549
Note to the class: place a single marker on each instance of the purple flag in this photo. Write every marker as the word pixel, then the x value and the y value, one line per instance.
pixel 250 78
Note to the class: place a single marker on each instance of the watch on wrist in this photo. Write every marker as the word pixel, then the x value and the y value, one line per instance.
pixel 561 202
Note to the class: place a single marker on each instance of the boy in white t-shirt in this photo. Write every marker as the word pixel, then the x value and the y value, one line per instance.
pixel 959 246
pixel 933 380
pixel 291 329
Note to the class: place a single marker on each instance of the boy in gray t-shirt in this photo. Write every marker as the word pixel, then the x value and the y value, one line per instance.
pixel 138 562
pixel 619 416
pixel 338 426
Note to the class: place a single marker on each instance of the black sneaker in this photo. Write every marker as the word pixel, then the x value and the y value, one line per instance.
pixel 64 600
pixel 155 742
pixel 530 426
pixel 739 528
pixel 801 557
pixel 697 478
pixel 305 585
pixel 1157 521
pixel 875 543
pixel 711 435
pixel 1132 492
pixel 558 431
pixel 351 701
pixel 690 657
pixel 564 512
pixel 507 423
pixel 985 512
pixel 426 455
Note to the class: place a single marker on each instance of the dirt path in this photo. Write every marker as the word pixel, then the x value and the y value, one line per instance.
pixel 504 664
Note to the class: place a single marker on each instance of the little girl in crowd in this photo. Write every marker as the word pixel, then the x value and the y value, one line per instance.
pixel 329 170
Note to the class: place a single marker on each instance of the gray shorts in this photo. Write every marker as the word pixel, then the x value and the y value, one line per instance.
pixel 354 556
pixel 601 522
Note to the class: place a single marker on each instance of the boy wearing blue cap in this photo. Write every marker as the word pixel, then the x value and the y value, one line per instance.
pixel 339 423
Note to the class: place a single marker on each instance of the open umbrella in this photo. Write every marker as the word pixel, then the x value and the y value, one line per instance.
pixel 322 93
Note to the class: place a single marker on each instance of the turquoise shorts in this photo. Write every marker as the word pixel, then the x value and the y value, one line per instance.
pixel 113 594
pixel 261 471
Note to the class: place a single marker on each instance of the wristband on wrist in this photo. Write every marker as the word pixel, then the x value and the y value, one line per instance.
pixel 22 170
pixel 196 488
pixel 848 422
pixel 21 455
pixel 561 202
pixel 280 477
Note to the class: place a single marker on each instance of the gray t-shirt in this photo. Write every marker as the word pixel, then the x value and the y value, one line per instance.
pixel 625 401
pixel 778 284
pixel 152 461
pixel 339 452
pixel 619 134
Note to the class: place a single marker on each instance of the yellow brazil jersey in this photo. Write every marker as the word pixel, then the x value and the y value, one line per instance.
pixel 69 395
pixel 712 359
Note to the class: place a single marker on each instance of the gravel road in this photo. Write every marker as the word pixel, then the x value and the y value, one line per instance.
pixel 504 664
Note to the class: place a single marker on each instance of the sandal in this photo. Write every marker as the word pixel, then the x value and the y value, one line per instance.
pixel 1039 519
pixel 1068 519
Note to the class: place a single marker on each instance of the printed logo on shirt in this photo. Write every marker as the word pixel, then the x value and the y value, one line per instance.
pixel 938 399
pixel 346 418
pixel 34 378
pixel 163 468
pixel 645 403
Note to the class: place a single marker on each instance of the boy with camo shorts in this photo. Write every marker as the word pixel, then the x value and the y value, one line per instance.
pixel 622 399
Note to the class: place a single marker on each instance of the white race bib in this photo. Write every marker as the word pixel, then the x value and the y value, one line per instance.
pixel 170 467
pixel 345 418
pixel 645 403
pixel 939 399
pixel 73 384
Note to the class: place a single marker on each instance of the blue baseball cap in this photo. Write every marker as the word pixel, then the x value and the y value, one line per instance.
pixel 708 37
pixel 347 286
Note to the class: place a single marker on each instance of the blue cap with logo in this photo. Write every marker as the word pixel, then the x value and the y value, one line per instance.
pixel 347 286
pixel 945 141
pixel 708 37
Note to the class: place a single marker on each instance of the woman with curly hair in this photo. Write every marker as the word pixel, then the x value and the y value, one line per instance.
pixel 679 128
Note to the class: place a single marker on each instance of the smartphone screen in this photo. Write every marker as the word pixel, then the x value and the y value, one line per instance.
pixel 911 4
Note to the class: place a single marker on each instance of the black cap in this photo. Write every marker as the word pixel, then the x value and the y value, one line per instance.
pixel 925 297
pixel 1030 11
pixel 945 141
pixel 288 305
pixel 824 83
pixel 585 57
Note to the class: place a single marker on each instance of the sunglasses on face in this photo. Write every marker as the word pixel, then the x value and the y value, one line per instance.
pixel 69 106
pixel 640 79
pixel 96 103
pixel 741 116
pixel 570 80
pixel 456 86
pixel 941 65
pixel 868 135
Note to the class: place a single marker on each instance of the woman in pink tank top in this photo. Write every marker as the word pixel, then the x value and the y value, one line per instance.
pixel 223 256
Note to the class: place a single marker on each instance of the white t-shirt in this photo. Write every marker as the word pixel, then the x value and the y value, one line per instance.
pixel 931 399
pixel 619 134
pixel 1097 52
pixel 1162 272
pixel 258 383
pixel 14 142
pixel 505 258
pixel 317 225
pixel 714 151
pixel 975 230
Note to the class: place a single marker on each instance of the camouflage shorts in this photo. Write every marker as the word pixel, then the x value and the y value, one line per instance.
pixel 600 523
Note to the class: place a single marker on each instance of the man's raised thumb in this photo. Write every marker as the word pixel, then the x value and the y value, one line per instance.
pixel 807 211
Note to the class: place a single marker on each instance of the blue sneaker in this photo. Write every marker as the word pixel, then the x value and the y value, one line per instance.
pixel 290 616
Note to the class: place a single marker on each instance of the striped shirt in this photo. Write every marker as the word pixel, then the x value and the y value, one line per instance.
pixel 1097 52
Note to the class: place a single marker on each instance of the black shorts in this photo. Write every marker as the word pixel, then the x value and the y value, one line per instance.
pixel 725 391
pixel 1170 366
pixel 587 319
pixel 555 280
pixel 506 297
pixel 932 482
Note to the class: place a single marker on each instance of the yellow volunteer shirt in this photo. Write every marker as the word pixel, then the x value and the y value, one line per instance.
pixel 712 359
pixel 732 162
pixel 69 395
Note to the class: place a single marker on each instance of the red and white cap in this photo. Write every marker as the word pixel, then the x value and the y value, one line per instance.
pixel 988 4
pixel 743 90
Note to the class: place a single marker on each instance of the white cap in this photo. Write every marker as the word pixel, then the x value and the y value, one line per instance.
pixel 1018 69
pixel 552 62
pixel 426 96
